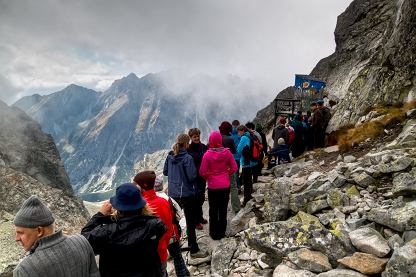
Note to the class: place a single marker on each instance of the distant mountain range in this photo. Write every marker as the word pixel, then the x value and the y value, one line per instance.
pixel 101 135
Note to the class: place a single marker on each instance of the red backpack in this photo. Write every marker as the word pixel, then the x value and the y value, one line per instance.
pixel 255 147
pixel 291 135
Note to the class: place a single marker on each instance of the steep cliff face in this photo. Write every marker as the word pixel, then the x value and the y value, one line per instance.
pixel 102 135
pixel 30 165
pixel 374 61
pixel 25 148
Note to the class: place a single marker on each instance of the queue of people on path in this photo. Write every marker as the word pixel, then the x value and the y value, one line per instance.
pixel 138 228
pixel 291 137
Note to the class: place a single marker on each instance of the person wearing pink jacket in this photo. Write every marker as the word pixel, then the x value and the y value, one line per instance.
pixel 217 165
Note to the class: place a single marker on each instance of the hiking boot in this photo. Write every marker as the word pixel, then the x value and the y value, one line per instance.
pixel 199 254
pixel 199 226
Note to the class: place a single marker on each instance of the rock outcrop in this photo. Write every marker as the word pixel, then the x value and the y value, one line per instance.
pixel 25 148
pixel 346 218
pixel 373 62
pixel 30 165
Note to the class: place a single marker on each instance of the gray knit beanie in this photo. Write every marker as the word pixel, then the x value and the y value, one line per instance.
pixel 33 213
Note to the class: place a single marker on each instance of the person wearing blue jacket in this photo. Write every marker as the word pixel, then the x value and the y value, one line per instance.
pixel 237 156
pixel 182 187
pixel 246 162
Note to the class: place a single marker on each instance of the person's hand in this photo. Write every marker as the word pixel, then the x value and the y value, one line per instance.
pixel 106 208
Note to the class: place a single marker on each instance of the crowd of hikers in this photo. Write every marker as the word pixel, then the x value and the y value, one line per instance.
pixel 138 228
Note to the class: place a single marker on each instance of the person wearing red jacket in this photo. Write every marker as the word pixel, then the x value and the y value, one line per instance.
pixel 160 207
pixel 217 165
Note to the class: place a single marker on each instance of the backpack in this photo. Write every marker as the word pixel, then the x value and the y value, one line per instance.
pixel 255 147
pixel 175 218
pixel 291 135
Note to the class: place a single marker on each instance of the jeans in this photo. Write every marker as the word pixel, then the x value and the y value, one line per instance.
pixel 218 203
pixel 188 204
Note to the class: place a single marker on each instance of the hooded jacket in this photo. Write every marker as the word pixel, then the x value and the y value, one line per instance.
pixel 217 164
pixel 162 209
pixel 243 149
pixel 182 174
pixel 128 246
pixel 280 132
pixel 236 138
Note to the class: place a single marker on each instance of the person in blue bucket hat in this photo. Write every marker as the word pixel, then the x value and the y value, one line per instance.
pixel 125 234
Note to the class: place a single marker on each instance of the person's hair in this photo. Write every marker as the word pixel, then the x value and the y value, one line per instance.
pixel 145 179
pixel 313 104
pixel 235 123
pixel 146 211
pixel 242 128
pixel 194 131
pixel 320 104
pixel 182 140
pixel 250 125
pixel 225 128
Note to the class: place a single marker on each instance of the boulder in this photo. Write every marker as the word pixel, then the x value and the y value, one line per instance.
pixel 222 255
pixel 280 169
pixel 363 179
pixel 364 263
pixel 403 261
pixel 404 184
pixel 337 198
pixel 241 220
pixel 395 241
pixel 370 241
pixel 399 219
pixel 341 273
pixel 281 238
pixel 349 159
pixel 310 260
pixel 316 206
pixel 397 164
pixel 276 200
pixel 407 138
pixel 285 271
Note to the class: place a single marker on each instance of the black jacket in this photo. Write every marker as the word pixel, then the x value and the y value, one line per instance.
pixel 127 247
pixel 280 132
pixel 197 151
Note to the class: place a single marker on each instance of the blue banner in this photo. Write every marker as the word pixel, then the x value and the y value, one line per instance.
pixel 306 82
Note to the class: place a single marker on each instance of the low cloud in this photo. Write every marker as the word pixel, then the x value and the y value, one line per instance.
pixel 52 43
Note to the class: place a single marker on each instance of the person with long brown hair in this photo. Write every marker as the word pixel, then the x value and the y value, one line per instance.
pixel 126 235
pixel 181 171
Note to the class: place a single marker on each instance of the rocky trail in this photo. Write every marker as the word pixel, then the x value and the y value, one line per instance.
pixel 326 214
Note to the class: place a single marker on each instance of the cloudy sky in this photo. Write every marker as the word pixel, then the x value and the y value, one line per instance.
pixel 47 44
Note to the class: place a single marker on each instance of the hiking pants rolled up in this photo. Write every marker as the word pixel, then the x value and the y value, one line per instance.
pixel 200 199
pixel 218 203
pixel 180 267
pixel 188 204
pixel 247 179
pixel 235 200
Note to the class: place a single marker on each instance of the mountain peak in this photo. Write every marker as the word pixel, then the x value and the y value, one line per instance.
pixel 131 76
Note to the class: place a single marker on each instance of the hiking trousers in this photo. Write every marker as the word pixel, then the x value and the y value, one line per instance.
pixel 218 203
pixel 180 267
pixel 188 204
pixel 247 179
pixel 235 200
